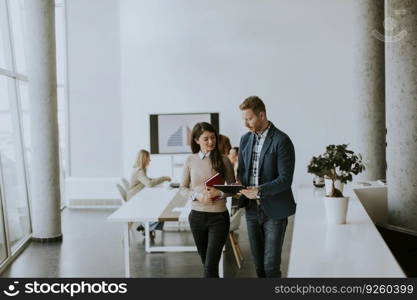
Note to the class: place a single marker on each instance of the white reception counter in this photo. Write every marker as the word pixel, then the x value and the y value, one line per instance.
pixel 355 249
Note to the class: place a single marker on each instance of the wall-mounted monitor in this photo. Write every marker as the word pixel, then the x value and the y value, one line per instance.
pixel 171 133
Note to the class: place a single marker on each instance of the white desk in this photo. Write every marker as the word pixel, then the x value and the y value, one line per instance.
pixel 148 206
pixel 355 249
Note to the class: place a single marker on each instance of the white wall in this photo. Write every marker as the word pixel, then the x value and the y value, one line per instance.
pixel 95 127
pixel 207 56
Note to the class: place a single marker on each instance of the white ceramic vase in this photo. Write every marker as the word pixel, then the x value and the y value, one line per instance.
pixel 336 209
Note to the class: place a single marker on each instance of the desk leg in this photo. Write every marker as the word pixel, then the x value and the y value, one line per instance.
pixel 126 249
pixel 221 272
pixel 147 237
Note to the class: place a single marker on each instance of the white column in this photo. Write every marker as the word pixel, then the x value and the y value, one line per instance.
pixel 41 64
pixel 401 105
pixel 370 86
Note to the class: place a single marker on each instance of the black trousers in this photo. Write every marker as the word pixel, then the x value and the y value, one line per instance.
pixel 210 231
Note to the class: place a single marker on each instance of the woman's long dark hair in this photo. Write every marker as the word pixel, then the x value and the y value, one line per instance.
pixel 215 155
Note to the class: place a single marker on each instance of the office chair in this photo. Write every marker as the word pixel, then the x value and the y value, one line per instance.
pixel 122 192
pixel 234 225
pixel 126 183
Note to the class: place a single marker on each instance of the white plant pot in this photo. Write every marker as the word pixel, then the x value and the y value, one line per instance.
pixel 336 209
pixel 337 184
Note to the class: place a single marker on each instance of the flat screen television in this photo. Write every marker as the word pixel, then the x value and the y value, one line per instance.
pixel 171 133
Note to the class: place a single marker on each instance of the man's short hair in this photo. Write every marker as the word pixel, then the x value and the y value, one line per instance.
pixel 254 103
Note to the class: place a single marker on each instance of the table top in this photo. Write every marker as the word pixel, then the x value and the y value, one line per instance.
pixel 175 208
pixel 355 249
pixel 152 204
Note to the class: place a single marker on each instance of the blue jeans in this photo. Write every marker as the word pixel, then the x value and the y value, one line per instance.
pixel 266 237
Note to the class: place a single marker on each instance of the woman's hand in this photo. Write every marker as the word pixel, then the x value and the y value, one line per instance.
pixel 167 178
pixel 204 198
pixel 213 192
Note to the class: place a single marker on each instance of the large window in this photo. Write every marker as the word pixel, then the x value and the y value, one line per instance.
pixel 15 113
pixel 14 185
pixel 5 52
pixel 18 209
pixel 15 226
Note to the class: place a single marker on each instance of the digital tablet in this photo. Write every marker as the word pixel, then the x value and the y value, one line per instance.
pixel 229 189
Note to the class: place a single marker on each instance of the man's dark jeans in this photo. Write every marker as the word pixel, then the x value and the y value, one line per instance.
pixel 210 232
pixel 266 237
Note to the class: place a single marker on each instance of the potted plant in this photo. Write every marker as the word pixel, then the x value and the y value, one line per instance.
pixel 337 164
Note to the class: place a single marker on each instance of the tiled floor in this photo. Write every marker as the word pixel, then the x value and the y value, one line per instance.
pixel 92 247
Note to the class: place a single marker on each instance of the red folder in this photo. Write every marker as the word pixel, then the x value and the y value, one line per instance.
pixel 215 179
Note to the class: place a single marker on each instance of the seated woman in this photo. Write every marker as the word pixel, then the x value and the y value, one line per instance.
pixel 139 180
